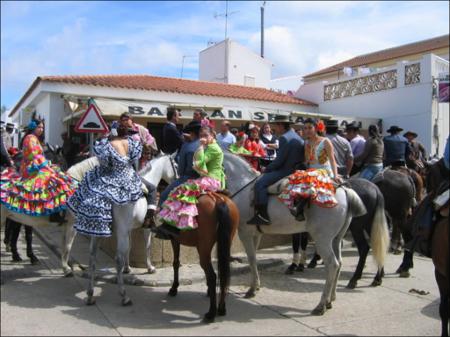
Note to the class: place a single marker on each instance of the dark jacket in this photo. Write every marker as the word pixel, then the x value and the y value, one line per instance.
pixel 291 153
pixel 171 138
pixel 185 161
pixel 396 149
pixel 373 152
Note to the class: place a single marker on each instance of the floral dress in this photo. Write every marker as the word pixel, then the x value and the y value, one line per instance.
pixel 114 181
pixel 315 182
pixel 40 188
pixel 180 208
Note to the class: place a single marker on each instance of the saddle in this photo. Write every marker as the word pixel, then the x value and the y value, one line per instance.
pixel 278 187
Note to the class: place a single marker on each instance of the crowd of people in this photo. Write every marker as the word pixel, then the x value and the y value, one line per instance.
pixel 314 155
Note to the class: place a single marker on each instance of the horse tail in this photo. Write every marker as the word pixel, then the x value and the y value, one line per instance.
pixel 355 204
pixel 379 236
pixel 223 244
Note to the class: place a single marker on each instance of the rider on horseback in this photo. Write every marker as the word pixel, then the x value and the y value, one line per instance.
pixel 315 183
pixel 396 148
pixel 40 188
pixel 179 211
pixel 290 154
pixel 417 152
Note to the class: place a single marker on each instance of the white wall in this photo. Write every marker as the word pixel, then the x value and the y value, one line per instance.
pixel 244 62
pixel 229 62
pixel 212 63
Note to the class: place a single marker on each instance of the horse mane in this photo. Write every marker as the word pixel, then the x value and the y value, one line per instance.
pixel 78 171
pixel 241 161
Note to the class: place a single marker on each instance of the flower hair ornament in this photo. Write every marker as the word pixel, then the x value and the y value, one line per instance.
pixel 32 125
pixel 320 127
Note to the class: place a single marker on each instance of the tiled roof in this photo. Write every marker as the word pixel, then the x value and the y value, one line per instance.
pixel 387 54
pixel 167 84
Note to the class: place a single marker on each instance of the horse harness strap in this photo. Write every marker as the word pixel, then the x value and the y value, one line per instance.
pixel 243 188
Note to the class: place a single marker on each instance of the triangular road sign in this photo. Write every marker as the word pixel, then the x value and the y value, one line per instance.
pixel 91 121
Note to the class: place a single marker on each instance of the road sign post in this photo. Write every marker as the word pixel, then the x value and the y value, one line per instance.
pixel 91 122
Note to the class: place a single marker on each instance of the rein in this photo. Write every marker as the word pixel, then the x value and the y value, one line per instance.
pixel 243 188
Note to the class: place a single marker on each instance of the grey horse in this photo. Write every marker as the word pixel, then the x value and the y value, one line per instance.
pixel 327 226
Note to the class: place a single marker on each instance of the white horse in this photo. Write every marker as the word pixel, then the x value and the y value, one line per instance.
pixel 326 225
pixel 161 167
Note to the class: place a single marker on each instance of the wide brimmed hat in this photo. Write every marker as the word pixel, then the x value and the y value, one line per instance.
pixel 394 128
pixel 412 133
pixel 282 119
pixel 332 123
pixel 353 126
pixel 192 126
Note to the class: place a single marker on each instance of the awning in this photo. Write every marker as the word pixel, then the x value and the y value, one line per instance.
pixel 149 109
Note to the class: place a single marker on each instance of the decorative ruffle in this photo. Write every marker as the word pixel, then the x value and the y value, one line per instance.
pixel 43 193
pixel 312 183
pixel 180 208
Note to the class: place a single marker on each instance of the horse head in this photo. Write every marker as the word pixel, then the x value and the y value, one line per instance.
pixel 161 167
pixel 238 172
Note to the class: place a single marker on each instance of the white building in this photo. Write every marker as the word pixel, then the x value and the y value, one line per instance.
pixel 61 100
pixel 396 85
pixel 231 63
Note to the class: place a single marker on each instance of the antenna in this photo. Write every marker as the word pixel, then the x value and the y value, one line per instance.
pixel 262 28
pixel 226 15
pixel 182 64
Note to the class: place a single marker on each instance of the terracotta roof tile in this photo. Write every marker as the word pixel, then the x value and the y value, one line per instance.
pixel 387 54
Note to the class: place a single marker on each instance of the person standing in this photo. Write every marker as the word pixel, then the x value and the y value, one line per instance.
pixel 172 138
pixel 256 147
pixel 225 138
pixel 271 144
pixel 356 140
pixel 371 160
pixel 290 154
pixel 342 148
pixel 396 147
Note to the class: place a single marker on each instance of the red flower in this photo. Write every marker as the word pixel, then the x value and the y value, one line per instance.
pixel 320 126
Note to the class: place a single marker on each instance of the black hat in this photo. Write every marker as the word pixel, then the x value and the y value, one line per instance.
pixel 332 123
pixel 394 128
pixel 281 119
pixel 192 126
pixel 412 133
pixel 353 126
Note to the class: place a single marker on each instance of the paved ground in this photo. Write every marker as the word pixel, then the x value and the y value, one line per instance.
pixel 38 300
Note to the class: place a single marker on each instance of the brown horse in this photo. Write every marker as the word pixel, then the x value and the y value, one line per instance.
pixel 441 261
pixel 218 220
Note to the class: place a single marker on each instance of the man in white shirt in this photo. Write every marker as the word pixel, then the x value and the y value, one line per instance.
pixel 225 138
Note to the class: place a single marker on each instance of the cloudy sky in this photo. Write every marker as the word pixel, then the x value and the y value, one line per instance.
pixel 57 38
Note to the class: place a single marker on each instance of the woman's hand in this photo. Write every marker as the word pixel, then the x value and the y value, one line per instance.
pixel 203 141
pixel 338 179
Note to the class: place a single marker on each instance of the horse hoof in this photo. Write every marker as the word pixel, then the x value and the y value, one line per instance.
pixel 126 270
pixel 90 301
pixel 34 260
pixel 173 292
pixel 16 258
pixel 221 311
pixel 127 302
pixel 376 283
pixel 312 265
pixel 250 293
pixel 301 267
pixel 351 285
pixel 319 310
pixel 329 305
pixel 151 270
pixel 405 274
pixel 209 318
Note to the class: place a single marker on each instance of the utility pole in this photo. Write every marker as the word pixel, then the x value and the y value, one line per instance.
pixel 262 30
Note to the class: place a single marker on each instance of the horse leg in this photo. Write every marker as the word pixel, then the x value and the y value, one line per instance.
pixel 29 240
pixel 92 259
pixel 363 250
pixel 248 241
pixel 67 241
pixel 303 246
pixel 211 282
pixel 14 235
pixel 123 246
pixel 7 238
pixel 396 240
pixel 126 265
pixel 442 282
pixel 176 266
pixel 148 248
pixel 331 269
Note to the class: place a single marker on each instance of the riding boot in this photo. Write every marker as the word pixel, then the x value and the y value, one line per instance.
pixel 298 208
pixel 261 216
pixel 149 221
